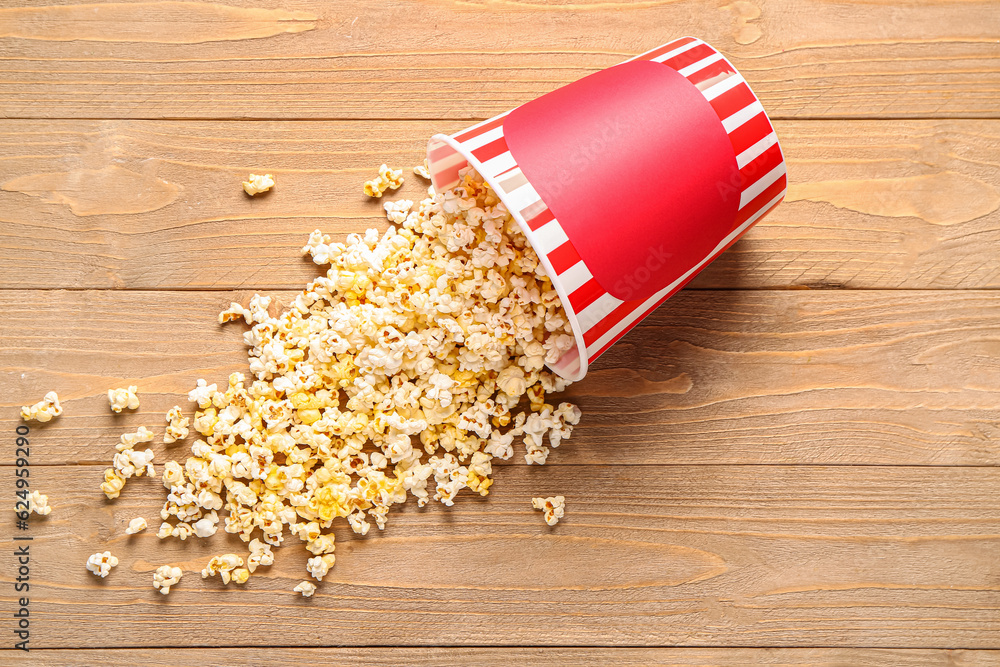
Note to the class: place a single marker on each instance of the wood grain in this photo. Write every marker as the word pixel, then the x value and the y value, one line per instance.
pixel 662 555
pixel 468 59
pixel 778 377
pixel 542 657
pixel 157 205
pixel 756 467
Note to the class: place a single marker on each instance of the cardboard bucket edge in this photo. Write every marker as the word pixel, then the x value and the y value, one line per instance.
pixel 627 182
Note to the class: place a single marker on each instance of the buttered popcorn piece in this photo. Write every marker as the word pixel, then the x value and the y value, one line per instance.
pixel 256 184
pixel 44 410
pixel 130 440
pixel 207 525
pixel 358 523
pixel 240 575
pixel 554 507
pixel 396 211
pixel 101 563
pixel 318 566
pixel 388 179
pixel 37 502
pixel 307 588
pixel 260 554
pixel 166 576
pixel 173 474
pixel 136 525
pixel 123 398
pixel 202 394
pixel 223 566
pixel 113 483
pixel 415 361
pixel 423 170
pixel 128 462
pixel 177 425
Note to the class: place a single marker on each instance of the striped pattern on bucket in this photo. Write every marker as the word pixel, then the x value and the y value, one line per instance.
pixel 599 319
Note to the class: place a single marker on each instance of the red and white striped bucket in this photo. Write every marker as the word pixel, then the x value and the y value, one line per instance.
pixel 627 182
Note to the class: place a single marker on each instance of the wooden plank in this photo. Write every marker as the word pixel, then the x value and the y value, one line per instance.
pixel 822 377
pixel 501 657
pixel 465 60
pixel 659 555
pixel 158 205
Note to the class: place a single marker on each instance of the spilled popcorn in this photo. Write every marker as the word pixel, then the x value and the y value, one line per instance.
pixel 388 179
pixel 37 502
pixel 128 462
pixel 307 588
pixel 101 563
pixel 423 170
pixel 123 398
pixel 554 507
pixel 397 211
pixel 228 567
pixel 44 410
pixel 318 566
pixel 256 184
pixel 177 425
pixel 136 525
pixel 166 576
pixel 417 359
pixel 260 554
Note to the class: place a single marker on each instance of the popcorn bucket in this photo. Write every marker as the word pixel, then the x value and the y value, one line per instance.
pixel 627 182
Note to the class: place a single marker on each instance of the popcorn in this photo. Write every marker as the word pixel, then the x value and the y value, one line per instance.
pixel 322 544
pixel 387 179
pixel 38 503
pixel 181 531
pixel 307 588
pixel 223 566
pixel 423 170
pixel 260 554
pixel 121 399
pixel 512 381
pixel 202 394
pixel 113 483
pixel 136 525
pixel 412 363
pixel 44 410
pixel 318 566
pixel 536 455
pixel 177 426
pixel 396 211
pixel 554 508
pixel 173 474
pixel 130 462
pixel 101 563
pixel 235 312
pixel 256 184
pixel 129 440
pixel 206 526
pixel 358 523
pixel 166 576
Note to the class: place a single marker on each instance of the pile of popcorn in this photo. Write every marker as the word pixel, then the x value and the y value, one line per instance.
pixel 417 359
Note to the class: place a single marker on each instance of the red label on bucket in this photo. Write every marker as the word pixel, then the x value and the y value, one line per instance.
pixel 636 167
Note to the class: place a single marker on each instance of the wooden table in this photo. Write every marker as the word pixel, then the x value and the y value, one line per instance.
pixel 794 461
